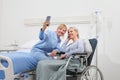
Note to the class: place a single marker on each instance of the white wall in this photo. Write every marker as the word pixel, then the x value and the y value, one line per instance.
pixel 0 18
pixel 109 61
pixel 14 12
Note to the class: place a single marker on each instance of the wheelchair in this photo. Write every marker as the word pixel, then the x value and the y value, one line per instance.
pixel 88 71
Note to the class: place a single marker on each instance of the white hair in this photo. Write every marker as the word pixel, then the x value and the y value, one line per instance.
pixel 76 30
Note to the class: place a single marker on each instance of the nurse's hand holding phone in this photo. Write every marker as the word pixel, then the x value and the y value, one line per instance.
pixel 46 23
pixel 48 20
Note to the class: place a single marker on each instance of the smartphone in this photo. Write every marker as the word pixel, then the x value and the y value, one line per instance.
pixel 48 19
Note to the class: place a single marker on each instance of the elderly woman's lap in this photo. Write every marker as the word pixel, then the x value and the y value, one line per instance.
pixel 48 67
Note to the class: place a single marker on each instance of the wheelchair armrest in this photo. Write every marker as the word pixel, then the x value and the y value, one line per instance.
pixel 59 53
pixel 80 54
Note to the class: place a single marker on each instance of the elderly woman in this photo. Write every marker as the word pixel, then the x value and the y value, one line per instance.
pixel 50 69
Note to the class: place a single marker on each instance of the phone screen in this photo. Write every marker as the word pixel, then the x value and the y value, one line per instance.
pixel 48 18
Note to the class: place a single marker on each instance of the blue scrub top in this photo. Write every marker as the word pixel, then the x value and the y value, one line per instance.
pixel 48 42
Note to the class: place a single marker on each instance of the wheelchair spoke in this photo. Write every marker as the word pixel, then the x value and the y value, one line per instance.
pixel 91 73
pixel 84 78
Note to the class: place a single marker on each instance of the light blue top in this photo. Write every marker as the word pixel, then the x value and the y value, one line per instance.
pixel 48 42
pixel 75 47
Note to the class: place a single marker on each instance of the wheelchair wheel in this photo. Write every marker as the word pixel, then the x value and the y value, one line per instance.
pixel 91 73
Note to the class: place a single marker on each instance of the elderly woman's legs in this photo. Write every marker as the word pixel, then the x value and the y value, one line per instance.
pixel 46 68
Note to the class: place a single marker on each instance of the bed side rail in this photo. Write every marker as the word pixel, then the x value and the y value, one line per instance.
pixel 9 72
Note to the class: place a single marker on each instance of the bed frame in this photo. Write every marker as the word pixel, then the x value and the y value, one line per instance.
pixel 89 19
pixel 9 72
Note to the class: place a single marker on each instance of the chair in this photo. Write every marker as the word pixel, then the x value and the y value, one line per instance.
pixel 88 72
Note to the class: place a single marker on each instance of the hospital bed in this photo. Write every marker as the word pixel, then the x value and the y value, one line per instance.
pixel 14 64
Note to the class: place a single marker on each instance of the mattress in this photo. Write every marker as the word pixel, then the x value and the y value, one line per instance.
pixel 22 61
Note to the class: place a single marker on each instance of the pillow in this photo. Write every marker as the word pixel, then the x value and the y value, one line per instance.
pixel 27 46
pixel 87 46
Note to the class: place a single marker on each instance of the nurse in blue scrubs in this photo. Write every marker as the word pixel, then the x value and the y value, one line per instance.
pixel 49 43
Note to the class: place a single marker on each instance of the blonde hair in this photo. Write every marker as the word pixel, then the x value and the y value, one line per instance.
pixel 62 26
pixel 76 30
